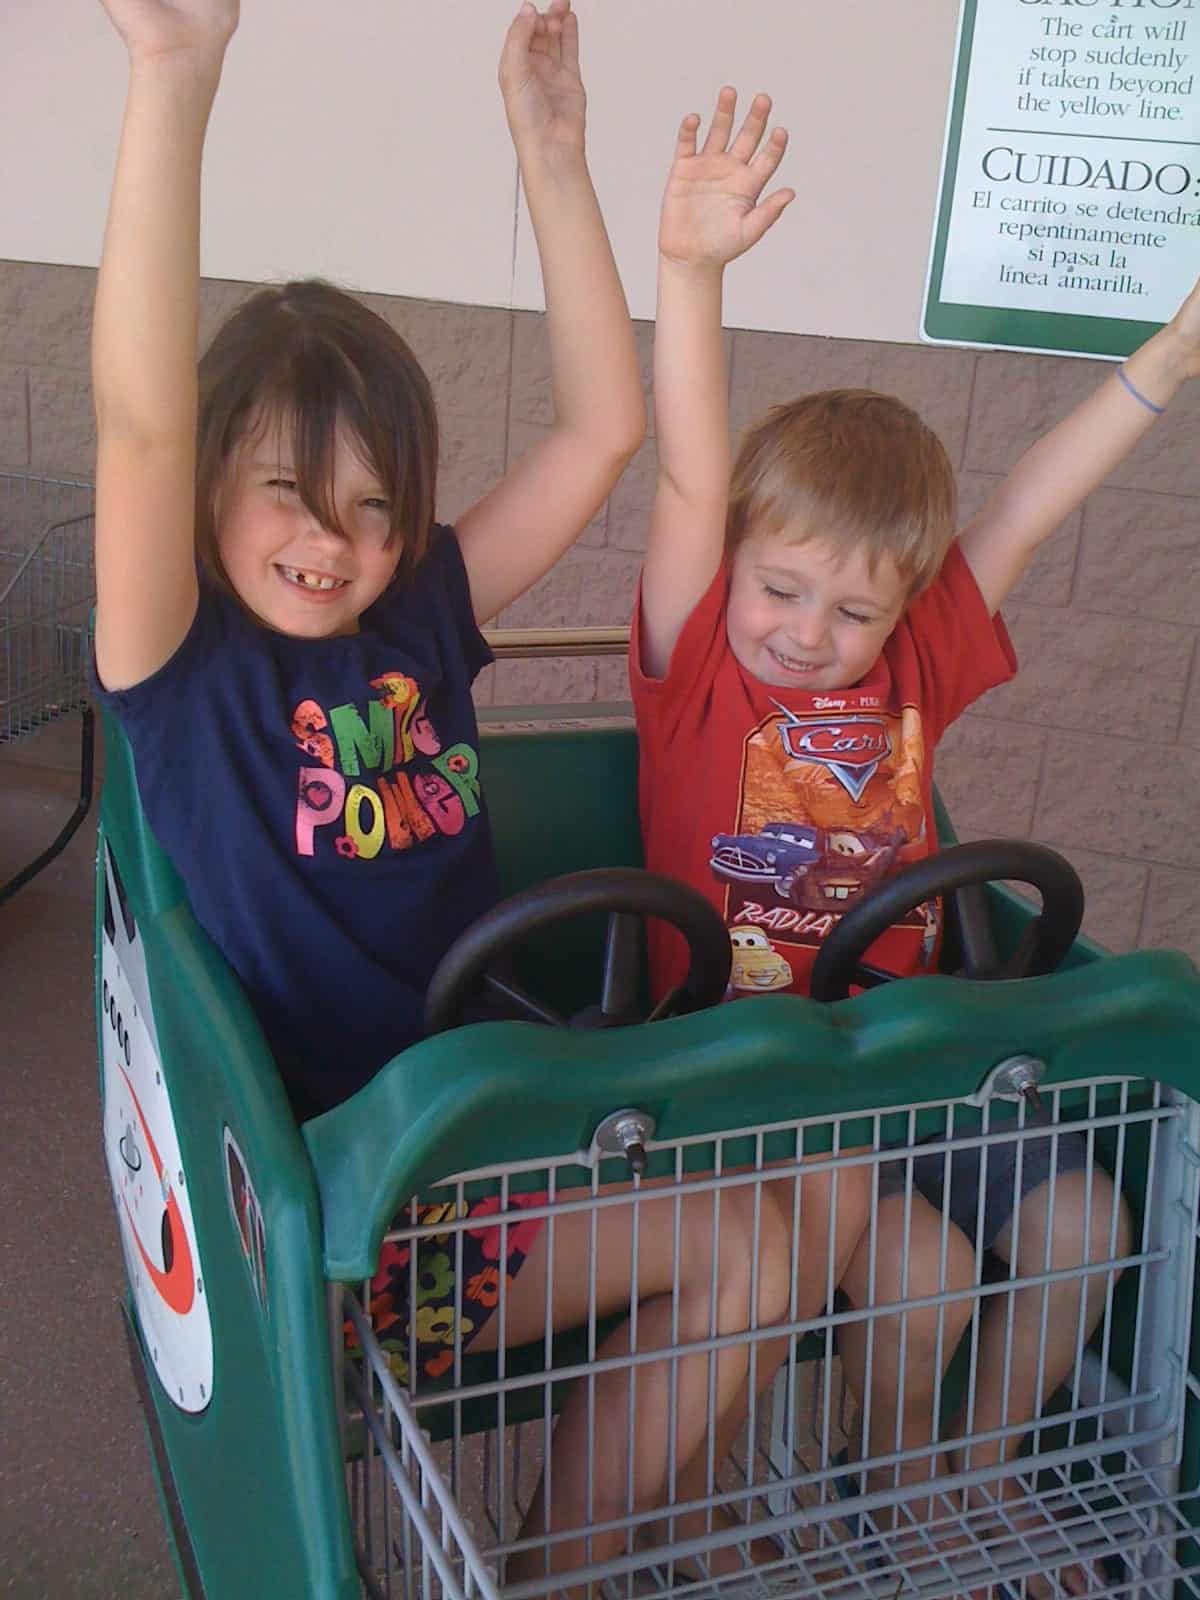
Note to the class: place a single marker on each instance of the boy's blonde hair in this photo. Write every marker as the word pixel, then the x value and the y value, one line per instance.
pixel 854 466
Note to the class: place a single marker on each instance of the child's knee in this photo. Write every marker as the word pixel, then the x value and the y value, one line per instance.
pixel 832 1215
pixel 1083 1222
pixel 929 1261
pixel 771 1230
pixel 851 1200
pixel 753 1247
pixel 941 1261
pixel 916 1253
pixel 919 1250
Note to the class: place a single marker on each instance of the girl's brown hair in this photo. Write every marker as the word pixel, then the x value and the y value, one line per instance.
pixel 311 358
pixel 853 465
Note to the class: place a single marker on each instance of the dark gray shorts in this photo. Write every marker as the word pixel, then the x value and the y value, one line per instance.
pixel 1004 1188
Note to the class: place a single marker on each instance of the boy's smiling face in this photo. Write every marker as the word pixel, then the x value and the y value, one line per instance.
pixel 810 615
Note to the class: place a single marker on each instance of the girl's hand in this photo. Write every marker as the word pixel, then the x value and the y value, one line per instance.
pixel 711 212
pixel 543 93
pixel 168 27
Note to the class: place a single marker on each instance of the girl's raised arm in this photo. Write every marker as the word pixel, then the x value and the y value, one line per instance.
pixel 144 335
pixel 544 502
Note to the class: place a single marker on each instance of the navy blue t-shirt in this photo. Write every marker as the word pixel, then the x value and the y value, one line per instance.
pixel 320 799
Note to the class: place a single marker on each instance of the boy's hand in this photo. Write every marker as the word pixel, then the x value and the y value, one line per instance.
pixel 167 27
pixel 543 92
pixel 1183 333
pixel 711 212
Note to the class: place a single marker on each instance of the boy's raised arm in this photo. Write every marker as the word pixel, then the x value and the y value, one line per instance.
pixel 1056 474
pixel 144 335
pixel 544 502
pixel 711 213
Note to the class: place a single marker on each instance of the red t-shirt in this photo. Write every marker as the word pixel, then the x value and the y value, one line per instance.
pixel 786 807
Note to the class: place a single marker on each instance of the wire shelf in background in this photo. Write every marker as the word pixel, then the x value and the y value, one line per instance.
pixel 47 589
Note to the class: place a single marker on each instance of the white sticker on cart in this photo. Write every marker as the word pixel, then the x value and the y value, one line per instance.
pixel 158 1234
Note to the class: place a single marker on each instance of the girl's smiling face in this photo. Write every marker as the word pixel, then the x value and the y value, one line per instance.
pixel 296 575
pixel 810 615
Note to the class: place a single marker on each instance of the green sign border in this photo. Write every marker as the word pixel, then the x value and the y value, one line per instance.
pixel 1055 332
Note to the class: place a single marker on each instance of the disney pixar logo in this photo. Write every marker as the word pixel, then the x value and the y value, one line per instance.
pixel 851 747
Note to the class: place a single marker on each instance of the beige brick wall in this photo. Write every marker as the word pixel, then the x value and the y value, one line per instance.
pixel 1095 748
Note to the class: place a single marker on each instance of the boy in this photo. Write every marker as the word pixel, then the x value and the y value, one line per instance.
pixel 807 628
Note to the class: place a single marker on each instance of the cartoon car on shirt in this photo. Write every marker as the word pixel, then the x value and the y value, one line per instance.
pixel 757 965
pixel 779 851
pixel 816 869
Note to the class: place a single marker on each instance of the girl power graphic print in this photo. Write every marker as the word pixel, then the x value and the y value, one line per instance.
pixel 830 803
pixel 383 782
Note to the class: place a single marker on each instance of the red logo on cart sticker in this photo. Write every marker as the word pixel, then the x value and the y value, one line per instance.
pixel 175 1280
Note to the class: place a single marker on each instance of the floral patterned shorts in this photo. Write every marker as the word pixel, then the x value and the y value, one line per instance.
pixel 415 1314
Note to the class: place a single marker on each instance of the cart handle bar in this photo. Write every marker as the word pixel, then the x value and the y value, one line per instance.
pixel 524 644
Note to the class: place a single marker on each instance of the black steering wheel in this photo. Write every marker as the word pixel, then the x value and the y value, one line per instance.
pixel 470 968
pixel 965 868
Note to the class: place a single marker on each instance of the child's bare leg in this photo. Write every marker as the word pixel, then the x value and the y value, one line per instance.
pixel 696 1480
pixel 825 1219
pixel 894 1364
pixel 600 1468
pixel 1026 1350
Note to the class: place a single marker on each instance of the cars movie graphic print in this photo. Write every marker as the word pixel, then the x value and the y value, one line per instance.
pixel 831 802
pixel 383 781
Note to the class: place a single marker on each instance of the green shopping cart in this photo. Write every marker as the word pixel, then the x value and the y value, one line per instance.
pixel 296 1459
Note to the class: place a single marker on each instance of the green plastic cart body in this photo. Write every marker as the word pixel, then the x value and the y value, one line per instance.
pixel 266 1215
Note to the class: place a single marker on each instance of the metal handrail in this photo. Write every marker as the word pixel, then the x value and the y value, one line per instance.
pixel 525 644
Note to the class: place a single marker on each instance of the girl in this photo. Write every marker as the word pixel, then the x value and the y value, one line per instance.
pixel 289 642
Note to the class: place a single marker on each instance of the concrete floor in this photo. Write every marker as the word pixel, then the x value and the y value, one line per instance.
pixel 79 1511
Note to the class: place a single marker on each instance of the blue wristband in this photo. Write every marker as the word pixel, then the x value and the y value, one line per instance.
pixel 1137 393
